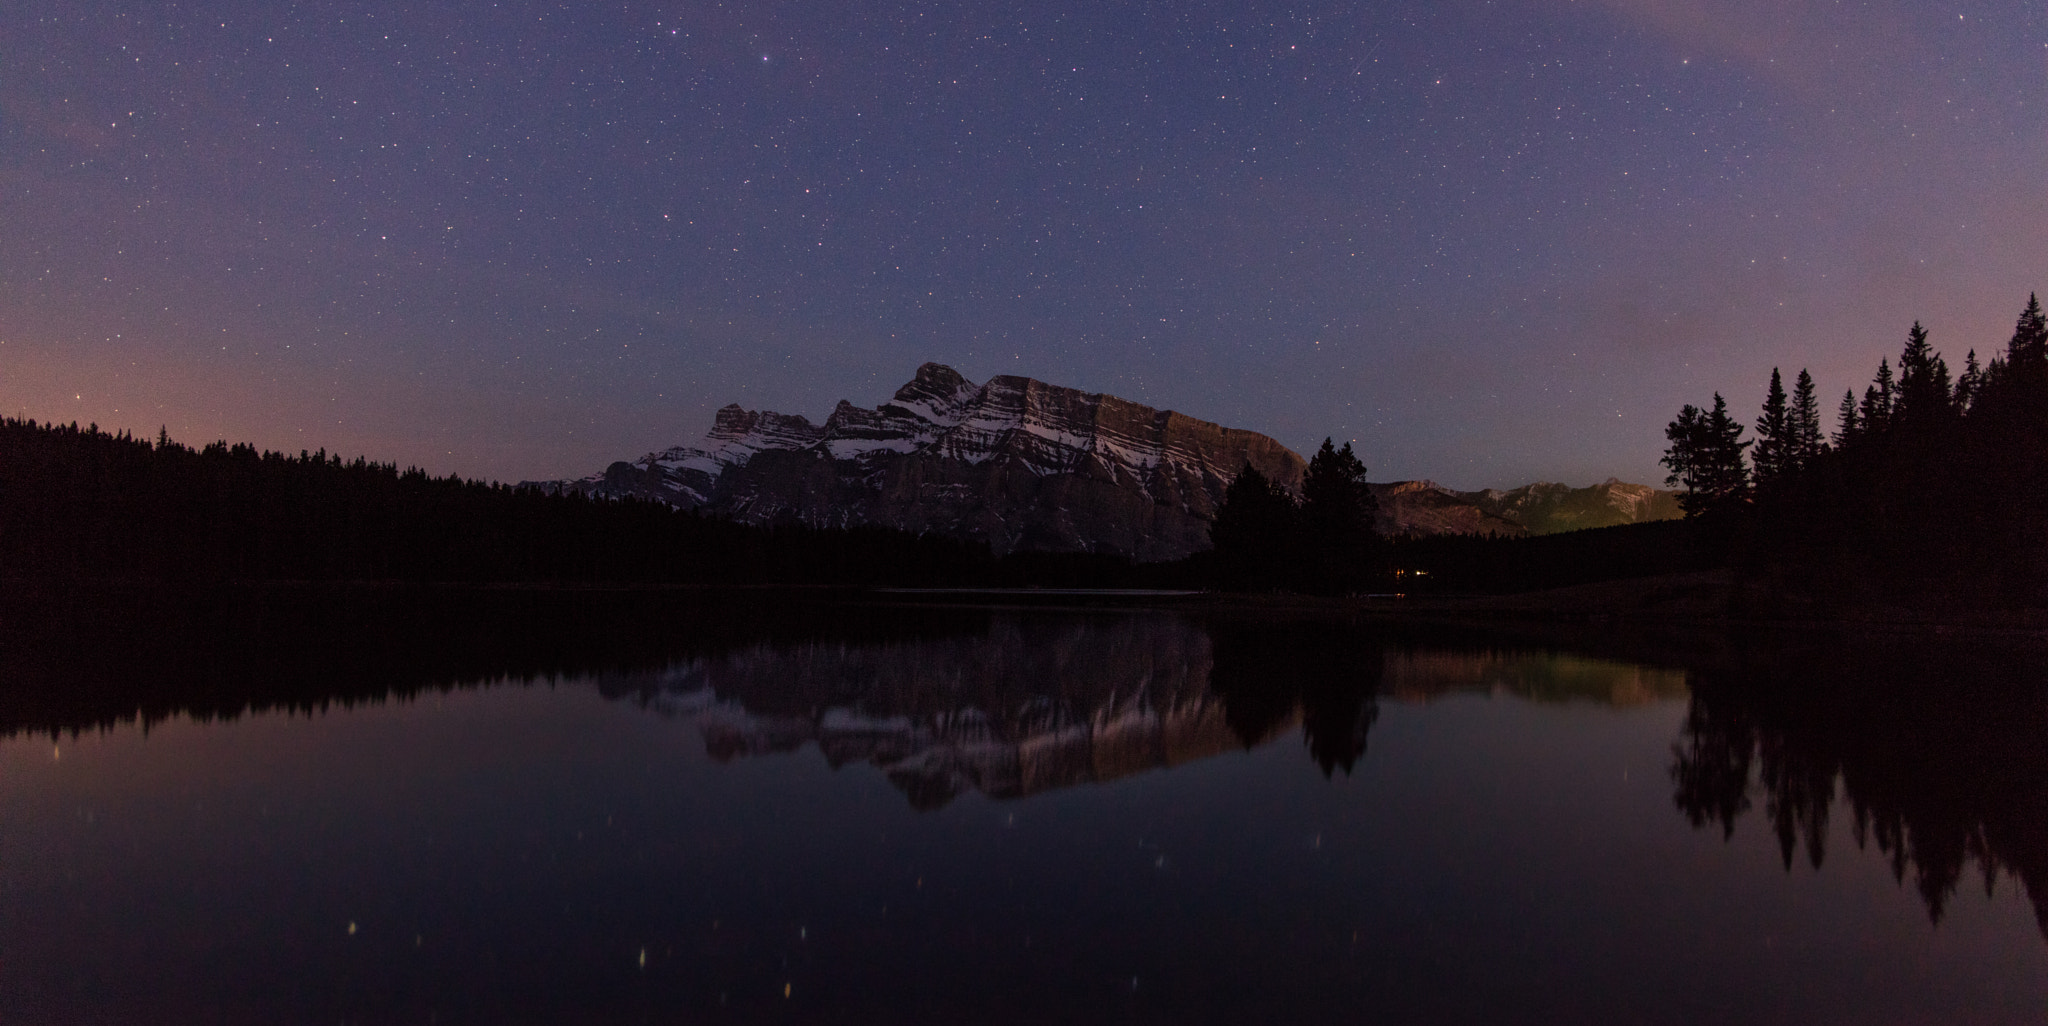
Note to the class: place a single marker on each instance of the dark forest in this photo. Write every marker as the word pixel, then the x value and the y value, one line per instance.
pixel 1928 492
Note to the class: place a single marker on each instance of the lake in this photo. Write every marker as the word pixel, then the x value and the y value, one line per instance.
pixel 522 808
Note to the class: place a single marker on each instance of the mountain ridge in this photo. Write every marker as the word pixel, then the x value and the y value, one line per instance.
pixel 1022 464
pixel 1544 507
pixel 1012 461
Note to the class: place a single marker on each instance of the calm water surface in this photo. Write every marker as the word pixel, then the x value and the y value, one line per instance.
pixel 1048 817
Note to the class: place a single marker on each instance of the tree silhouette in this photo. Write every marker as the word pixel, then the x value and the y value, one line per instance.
pixel 1875 413
pixel 1969 383
pixel 1256 532
pixel 2030 335
pixel 81 504
pixel 1772 454
pixel 1806 443
pixel 1337 514
pixel 1925 398
pixel 1705 458
pixel 1848 426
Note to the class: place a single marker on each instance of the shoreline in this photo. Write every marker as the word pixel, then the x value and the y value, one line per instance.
pixel 1701 601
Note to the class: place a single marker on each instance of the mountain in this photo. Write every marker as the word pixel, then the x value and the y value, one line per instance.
pixel 1024 465
pixel 1425 507
pixel 1015 462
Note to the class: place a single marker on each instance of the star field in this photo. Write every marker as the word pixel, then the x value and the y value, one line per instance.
pixel 1493 242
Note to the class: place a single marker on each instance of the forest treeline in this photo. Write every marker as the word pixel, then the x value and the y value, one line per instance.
pixel 1266 538
pixel 81 503
pixel 1322 542
pixel 78 503
pixel 1932 487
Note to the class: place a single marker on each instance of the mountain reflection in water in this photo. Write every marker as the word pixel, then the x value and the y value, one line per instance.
pixel 1930 751
pixel 1483 857
pixel 1037 703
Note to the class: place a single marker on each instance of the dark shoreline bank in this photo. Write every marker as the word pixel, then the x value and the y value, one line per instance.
pixel 1713 600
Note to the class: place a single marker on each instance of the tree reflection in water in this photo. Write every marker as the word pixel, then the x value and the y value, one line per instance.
pixel 1935 749
pixel 1329 677
pixel 1027 703
pixel 1031 703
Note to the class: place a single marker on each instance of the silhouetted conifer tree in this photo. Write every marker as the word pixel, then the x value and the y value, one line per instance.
pixel 1875 414
pixel 1924 396
pixel 1256 531
pixel 1969 384
pixel 1706 459
pixel 1848 427
pixel 1337 513
pixel 1806 443
pixel 2030 336
pixel 1772 452
pixel 2008 394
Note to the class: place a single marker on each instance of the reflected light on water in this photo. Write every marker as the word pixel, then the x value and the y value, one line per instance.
pixel 1027 816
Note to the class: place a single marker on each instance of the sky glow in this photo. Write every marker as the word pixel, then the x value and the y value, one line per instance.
pixel 1491 242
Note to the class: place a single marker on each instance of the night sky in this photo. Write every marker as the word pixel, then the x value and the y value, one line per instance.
pixel 1493 242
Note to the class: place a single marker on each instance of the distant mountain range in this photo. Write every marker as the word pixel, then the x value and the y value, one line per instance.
pixel 1425 507
pixel 1025 465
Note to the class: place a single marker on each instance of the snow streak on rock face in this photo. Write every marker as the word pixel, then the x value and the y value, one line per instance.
pixel 1016 462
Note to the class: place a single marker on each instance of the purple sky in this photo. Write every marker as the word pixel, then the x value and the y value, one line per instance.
pixel 1492 242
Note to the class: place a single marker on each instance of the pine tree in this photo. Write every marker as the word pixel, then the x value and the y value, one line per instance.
pixel 1875 414
pixel 1705 458
pixel 1255 530
pixel 1807 443
pixel 1687 450
pixel 1849 427
pixel 1772 454
pixel 2029 344
pixel 1971 383
pixel 2009 389
pixel 1335 498
pixel 1924 395
pixel 1731 475
pixel 1337 513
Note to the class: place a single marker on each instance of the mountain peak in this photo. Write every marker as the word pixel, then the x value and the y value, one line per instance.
pixel 1022 464
pixel 937 377
pixel 1014 461
pixel 732 419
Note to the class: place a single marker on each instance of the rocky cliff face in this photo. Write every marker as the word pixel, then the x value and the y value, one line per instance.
pixel 1015 462
pixel 1425 507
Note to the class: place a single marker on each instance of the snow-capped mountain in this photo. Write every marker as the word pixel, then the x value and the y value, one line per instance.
pixel 1013 461
pixel 1022 464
